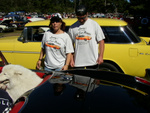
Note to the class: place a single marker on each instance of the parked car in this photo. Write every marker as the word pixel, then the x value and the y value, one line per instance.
pixel 86 91
pixel 125 52
pixel 141 25
pixel 35 19
pixel 5 26
pixel 17 22
pixel 97 15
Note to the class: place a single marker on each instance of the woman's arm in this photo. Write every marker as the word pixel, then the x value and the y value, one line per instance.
pixel 65 67
pixel 42 53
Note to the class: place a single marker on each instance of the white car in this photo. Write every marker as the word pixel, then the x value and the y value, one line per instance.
pixel 35 19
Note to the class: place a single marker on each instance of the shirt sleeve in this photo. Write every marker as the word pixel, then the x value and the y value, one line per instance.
pixel 71 34
pixel 69 45
pixel 99 33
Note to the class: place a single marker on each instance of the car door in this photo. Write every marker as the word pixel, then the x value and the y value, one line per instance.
pixel 126 51
pixel 27 52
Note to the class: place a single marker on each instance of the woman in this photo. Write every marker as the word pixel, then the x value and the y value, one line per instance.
pixel 56 46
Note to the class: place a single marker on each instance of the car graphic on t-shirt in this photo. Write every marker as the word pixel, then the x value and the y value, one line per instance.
pixel 83 38
pixel 52 45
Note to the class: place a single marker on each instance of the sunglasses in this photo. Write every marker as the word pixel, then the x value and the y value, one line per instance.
pixel 81 17
pixel 53 21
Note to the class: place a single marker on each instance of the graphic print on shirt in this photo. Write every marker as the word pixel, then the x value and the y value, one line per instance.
pixel 83 37
pixel 53 43
pixel 5 105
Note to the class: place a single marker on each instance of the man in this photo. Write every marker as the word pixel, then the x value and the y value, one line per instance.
pixel 86 35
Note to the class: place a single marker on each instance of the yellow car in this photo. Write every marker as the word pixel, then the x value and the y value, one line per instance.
pixel 83 38
pixel 52 45
pixel 125 52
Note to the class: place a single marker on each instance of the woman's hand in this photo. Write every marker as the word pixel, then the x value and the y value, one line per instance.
pixel 38 65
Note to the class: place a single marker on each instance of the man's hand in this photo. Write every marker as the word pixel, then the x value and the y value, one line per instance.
pixel 100 60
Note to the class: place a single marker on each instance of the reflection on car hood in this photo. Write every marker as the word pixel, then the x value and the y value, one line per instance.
pixel 99 92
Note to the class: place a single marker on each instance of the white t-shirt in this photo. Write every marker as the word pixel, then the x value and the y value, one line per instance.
pixel 86 38
pixel 56 47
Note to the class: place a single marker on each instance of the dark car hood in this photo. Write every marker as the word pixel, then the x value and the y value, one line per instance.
pixel 6 21
pixel 86 94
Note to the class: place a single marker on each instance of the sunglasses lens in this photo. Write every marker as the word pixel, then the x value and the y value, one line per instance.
pixel 81 17
pixel 55 21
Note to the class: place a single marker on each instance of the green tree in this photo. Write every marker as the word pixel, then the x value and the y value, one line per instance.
pixel 52 6
pixel 139 7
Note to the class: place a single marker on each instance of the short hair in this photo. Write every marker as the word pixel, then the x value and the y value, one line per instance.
pixel 81 10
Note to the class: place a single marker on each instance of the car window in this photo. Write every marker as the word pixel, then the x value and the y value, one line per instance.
pixel 35 34
pixel 38 33
pixel 119 35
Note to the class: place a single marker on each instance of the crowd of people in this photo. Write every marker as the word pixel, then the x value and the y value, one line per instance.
pixel 64 15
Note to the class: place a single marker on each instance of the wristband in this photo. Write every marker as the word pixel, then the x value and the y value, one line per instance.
pixel 40 59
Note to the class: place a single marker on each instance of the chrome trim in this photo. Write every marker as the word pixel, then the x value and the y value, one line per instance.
pixel 28 52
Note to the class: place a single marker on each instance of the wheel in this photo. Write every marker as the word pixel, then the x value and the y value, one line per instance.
pixel 107 67
pixel 1 30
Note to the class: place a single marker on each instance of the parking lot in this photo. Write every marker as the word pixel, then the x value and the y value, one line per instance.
pixel 15 33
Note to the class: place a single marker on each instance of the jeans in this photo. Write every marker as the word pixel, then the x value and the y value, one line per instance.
pixel 50 70
pixel 87 67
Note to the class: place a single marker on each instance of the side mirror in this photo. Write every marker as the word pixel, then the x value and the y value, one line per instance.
pixel 27 34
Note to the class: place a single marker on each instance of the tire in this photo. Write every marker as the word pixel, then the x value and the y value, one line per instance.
pixel 108 67
pixel 1 30
pixel 144 21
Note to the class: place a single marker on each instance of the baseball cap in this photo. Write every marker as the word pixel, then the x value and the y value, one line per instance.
pixel 81 10
pixel 56 17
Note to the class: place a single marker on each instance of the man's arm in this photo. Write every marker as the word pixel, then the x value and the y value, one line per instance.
pixel 101 52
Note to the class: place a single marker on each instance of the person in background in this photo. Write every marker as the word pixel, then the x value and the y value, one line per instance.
pixel 6 102
pixel 86 35
pixel 56 46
